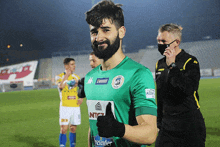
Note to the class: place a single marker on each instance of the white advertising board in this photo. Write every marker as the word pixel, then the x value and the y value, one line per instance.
pixel 206 72
pixel 216 72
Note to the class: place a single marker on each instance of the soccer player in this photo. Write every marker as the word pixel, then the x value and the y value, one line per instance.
pixel 180 121
pixel 70 115
pixel 120 92
pixel 94 61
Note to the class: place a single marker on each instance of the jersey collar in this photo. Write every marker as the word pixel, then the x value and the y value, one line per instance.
pixel 116 67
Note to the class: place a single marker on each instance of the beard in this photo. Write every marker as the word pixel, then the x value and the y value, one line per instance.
pixel 107 53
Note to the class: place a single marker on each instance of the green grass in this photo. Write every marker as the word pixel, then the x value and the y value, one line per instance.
pixel 209 92
pixel 31 118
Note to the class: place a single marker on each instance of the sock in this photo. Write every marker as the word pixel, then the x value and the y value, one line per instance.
pixel 62 140
pixel 72 137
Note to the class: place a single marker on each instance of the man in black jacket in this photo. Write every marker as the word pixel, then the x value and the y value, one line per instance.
pixel 180 122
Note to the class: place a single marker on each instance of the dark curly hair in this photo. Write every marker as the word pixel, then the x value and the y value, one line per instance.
pixel 105 9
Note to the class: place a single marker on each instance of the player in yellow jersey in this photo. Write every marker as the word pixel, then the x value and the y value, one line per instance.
pixel 70 115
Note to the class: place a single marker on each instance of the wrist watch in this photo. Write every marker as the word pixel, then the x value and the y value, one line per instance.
pixel 172 65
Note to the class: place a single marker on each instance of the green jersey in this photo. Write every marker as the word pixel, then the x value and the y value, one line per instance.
pixel 130 89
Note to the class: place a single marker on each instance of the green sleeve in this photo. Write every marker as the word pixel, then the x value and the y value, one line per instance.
pixel 143 92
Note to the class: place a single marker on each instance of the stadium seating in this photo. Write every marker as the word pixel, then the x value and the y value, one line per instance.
pixel 45 68
pixel 207 53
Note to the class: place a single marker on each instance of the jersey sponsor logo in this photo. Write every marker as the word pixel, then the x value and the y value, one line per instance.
pixel 102 81
pixel 150 93
pixel 64 120
pixel 90 80
pixel 98 108
pixel 117 81
pixel 71 97
pixel 94 115
pixel 102 141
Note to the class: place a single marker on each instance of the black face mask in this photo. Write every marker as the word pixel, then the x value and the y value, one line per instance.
pixel 109 51
pixel 162 47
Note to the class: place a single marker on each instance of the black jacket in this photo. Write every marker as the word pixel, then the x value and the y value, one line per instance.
pixel 177 89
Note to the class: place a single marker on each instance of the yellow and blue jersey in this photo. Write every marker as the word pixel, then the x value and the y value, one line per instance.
pixel 68 97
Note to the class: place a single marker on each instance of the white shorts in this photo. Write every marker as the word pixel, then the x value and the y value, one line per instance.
pixel 70 116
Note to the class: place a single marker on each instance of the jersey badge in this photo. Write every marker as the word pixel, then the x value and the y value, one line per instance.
pixel 102 81
pixel 90 80
pixel 117 81
pixel 150 93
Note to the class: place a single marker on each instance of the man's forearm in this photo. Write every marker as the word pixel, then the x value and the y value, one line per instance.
pixel 141 134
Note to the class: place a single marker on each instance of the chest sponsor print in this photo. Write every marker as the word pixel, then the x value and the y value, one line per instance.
pixel 98 108
pixel 102 141
pixel 102 81
pixel 71 97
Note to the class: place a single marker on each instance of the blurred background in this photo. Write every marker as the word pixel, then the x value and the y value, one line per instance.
pixel 48 31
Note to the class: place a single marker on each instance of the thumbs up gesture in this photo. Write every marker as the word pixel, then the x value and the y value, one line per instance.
pixel 108 126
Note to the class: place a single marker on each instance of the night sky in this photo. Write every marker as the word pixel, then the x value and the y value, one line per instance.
pixel 47 26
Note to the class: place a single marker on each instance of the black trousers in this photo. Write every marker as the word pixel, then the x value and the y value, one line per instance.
pixel 194 135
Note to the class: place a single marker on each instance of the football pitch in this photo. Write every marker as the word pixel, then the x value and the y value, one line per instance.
pixel 31 118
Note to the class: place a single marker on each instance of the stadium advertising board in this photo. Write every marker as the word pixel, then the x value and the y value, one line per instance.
pixel 206 72
pixel 23 72
pixel 216 72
